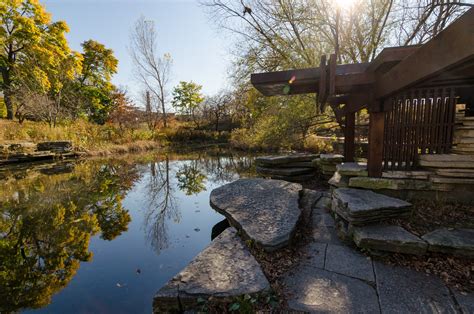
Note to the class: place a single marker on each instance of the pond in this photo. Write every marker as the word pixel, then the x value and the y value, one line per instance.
pixel 103 235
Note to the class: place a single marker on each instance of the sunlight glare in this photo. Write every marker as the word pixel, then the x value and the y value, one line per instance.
pixel 344 4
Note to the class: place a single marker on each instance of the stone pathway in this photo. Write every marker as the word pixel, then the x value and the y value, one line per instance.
pixel 336 278
pixel 331 277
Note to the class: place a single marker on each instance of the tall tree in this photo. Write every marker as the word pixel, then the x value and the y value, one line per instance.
pixel 187 97
pixel 151 69
pixel 98 66
pixel 26 29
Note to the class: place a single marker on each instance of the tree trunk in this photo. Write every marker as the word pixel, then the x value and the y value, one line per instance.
pixel 7 97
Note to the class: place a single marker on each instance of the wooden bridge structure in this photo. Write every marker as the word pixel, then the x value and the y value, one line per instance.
pixel 410 93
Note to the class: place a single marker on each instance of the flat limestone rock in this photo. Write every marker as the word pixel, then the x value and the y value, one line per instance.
pixel 279 160
pixel 224 270
pixel 357 169
pixel 457 173
pixel 267 211
pixel 363 206
pixel 402 290
pixel 457 180
pixel 456 241
pixel 347 261
pixel 449 164
pixel 421 175
pixel 314 254
pixel 388 238
pixel 284 171
pixel 389 184
pixel 331 158
pixel 446 158
pixel 297 178
pixel 56 146
pixel 314 290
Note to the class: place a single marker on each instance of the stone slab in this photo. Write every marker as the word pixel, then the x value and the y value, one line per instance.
pixel 314 254
pixel 446 158
pixel 466 140
pixel 279 160
pixel 389 184
pixel 224 270
pixel 308 201
pixel 420 175
pixel 266 211
pixel 363 206
pixel 322 220
pixel 297 178
pixel 331 158
pixel 316 290
pixel 357 169
pixel 284 171
pixel 402 290
pixel 448 164
pixel 347 261
pixel 441 179
pixel 455 241
pixel 298 164
pixel 457 173
pixel 388 238
pixel 326 235
pixel 323 205
pixel 465 301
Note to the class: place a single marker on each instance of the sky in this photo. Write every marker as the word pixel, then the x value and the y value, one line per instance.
pixel 200 52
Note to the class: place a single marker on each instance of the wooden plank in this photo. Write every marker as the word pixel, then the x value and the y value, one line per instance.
pixel 391 56
pixel 450 48
pixel 322 90
pixel 349 137
pixel 376 133
pixel 332 74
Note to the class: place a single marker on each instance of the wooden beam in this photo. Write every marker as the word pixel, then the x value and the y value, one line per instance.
pixel 376 133
pixel 389 57
pixel 450 48
pixel 349 137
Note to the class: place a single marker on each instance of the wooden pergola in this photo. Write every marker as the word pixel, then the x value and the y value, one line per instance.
pixel 410 93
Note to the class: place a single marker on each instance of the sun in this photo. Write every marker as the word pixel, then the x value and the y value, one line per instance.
pixel 344 4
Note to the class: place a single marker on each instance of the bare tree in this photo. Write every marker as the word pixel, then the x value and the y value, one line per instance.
pixel 217 107
pixel 151 69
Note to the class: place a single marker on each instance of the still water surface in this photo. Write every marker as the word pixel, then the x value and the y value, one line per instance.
pixel 102 236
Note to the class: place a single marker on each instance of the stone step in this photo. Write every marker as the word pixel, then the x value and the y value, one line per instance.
pixel 279 160
pixel 388 238
pixel 389 184
pixel 452 241
pixel 265 211
pixel 56 146
pixel 331 158
pixel 419 175
pixel 360 207
pixel 465 140
pixel 296 178
pixel 354 169
pixel 284 171
pixel 464 131
pixel 461 173
pixel 440 179
pixel 447 161
pixel 224 271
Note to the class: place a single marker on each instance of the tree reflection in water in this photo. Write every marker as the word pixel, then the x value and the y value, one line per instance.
pixel 48 214
pixel 161 204
pixel 191 178
pixel 46 222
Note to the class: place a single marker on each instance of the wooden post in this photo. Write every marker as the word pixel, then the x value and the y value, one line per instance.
pixel 376 133
pixel 349 137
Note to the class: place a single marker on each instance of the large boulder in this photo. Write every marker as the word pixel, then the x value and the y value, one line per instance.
pixel 360 207
pixel 266 211
pixel 224 270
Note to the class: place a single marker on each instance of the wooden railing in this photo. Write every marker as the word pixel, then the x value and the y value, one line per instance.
pixel 419 121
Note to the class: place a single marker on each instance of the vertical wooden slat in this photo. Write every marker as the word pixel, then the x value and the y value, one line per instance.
pixel 349 137
pixel 376 134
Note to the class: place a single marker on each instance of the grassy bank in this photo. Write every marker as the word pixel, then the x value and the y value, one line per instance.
pixel 109 139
